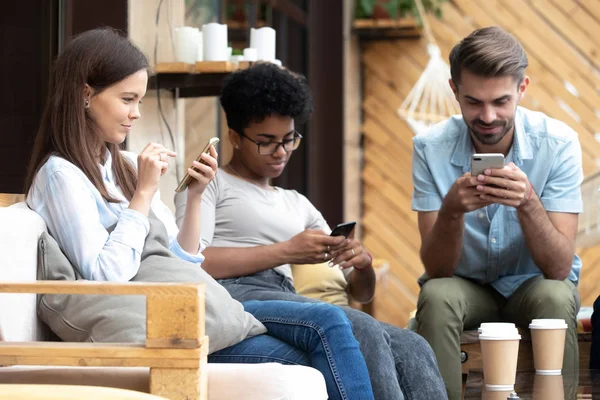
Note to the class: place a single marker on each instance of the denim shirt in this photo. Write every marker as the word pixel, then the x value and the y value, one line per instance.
pixel 80 219
pixel 494 249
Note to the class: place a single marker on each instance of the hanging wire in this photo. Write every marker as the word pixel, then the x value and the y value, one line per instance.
pixel 158 101
pixel 430 100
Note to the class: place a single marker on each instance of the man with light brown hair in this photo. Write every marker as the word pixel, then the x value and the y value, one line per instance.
pixel 499 246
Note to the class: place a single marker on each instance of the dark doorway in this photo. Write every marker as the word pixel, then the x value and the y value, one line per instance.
pixel 29 41
pixel 32 33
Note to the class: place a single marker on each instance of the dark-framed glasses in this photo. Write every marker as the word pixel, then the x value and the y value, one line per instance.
pixel 271 147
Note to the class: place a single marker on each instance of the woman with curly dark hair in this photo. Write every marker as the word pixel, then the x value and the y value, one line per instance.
pixel 254 231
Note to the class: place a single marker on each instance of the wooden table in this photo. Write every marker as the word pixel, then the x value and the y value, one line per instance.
pixel 581 384
pixel 69 392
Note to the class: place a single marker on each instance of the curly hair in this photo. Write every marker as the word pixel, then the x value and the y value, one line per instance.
pixel 264 89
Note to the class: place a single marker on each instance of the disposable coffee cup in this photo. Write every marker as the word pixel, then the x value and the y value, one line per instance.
pixel 485 325
pixel 548 387
pixel 548 343
pixel 500 351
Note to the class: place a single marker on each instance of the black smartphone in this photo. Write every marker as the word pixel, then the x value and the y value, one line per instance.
pixel 343 229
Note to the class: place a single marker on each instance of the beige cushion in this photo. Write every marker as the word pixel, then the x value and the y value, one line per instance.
pixel 100 318
pixel 269 381
pixel 320 282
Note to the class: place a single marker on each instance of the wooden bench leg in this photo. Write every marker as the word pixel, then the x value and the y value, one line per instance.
pixel 177 321
pixel 179 384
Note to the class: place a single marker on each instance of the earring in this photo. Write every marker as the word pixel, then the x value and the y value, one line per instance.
pixel 86 103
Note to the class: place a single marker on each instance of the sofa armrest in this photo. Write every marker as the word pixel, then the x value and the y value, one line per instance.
pixel 163 327
pixel 176 347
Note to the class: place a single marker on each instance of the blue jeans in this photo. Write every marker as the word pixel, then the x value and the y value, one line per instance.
pixel 401 363
pixel 318 335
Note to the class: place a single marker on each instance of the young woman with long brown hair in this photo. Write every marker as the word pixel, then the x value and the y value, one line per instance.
pixel 98 201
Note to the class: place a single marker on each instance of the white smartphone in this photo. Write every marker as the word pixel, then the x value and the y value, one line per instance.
pixel 187 178
pixel 482 161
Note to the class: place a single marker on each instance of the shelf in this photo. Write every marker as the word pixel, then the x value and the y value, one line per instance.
pixel 204 79
pixel 386 28
pixel 189 85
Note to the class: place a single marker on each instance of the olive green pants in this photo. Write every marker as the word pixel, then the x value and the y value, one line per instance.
pixel 446 306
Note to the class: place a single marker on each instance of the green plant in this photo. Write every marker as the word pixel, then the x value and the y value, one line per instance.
pixel 199 12
pixel 394 8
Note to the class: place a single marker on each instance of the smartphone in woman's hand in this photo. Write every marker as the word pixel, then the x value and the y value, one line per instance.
pixel 187 178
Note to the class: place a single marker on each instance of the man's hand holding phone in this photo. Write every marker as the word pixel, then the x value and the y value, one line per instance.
pixel 508 186
pixel 464 197
pixel 466 193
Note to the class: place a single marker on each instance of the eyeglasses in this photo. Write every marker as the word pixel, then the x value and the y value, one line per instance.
pixel 268 148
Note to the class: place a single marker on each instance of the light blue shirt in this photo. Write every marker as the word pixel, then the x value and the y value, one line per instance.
pixel 494 249
pixel 79 218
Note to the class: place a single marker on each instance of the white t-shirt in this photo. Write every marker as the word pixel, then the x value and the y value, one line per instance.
pixel 236 213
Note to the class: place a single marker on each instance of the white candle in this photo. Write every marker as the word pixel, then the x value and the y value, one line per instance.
pixel 215 42
pixel 186 44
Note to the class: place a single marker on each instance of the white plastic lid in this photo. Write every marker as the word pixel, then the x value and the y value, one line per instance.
pixel 548 324
pixel 499 332
pixel 485 325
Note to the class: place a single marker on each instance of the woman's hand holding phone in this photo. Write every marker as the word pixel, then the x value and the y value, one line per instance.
pixel 202 172
pixel 351 254
pixel 312 247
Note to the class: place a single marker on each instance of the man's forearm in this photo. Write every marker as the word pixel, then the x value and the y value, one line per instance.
pixel 551 251
pixel 232 262
pixel 442 247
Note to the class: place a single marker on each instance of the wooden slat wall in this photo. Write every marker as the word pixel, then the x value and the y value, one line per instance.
pixel 565 84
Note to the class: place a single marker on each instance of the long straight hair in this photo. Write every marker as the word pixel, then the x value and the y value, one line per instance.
pixel 101 58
